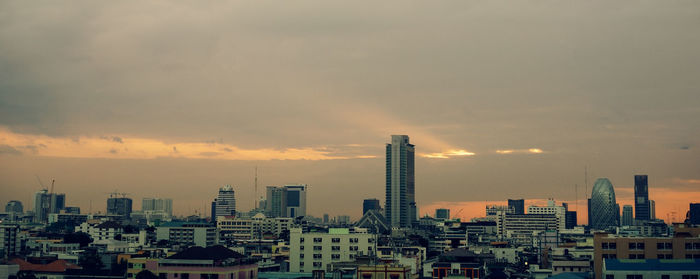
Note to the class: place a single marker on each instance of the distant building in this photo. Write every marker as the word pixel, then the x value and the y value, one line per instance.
pixel 100 231
pixel 72 210
pixel 14 207
pixel 517 205
pixel 641 198
pixel 571 219
pixel 226 202
pixel 442 213
pixel 551 208
pixel 604 211
pixel 400 208
pixel 370 204
pixel 652 209
pixel 157 204
pixel 325 218
pixel 46 203
pixel 296 200
pixel 119 206
pixel 187 233
pixel 276 205
pixel 694 214
pixel 627 219
pixel 316 250
pixel 520 228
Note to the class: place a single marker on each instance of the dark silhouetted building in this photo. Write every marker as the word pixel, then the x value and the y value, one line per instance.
pixel 370 204
pixel 694 214
pixel 442 213
pixel 14 207
pixel 641 198
pixel 518 205
pixel 119 206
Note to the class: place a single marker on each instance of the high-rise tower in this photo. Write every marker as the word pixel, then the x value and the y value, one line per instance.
pixel 400 182
pixel 226 202
pixel 641 198
pixel 604 211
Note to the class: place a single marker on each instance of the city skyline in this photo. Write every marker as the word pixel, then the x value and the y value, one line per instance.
pixel 504 100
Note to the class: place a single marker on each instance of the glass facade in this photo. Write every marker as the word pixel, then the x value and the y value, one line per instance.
pixel 604 211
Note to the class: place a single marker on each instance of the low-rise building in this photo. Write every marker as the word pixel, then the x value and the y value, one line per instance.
pixel 187 233
pixel 100 230
pixel 197 262
pixel 316 250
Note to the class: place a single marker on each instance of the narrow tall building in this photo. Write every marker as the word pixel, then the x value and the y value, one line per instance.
pixel 119 205
pixel 370 204
pixel 400 182
pixel 641 198
pixel 226 202
pixel 276 205
pixel 627 219
pixel 296 200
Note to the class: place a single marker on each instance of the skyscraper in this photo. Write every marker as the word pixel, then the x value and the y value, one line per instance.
pixel 652 210
pixel 296 200
pixel 119 205
pixel 604 211
pixel 627 219
pixel 400 182
pixel 370 204
pixel 518 205
pixel 641 198
pixel 226 202
pixel 276 205
pixel 46 203
pixel 157 204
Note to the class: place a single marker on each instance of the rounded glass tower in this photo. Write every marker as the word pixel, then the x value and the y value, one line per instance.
pixel 604 208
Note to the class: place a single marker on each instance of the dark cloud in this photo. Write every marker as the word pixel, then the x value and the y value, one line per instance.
pixel 6 149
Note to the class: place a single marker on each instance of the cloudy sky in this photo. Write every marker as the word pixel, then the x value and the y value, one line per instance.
pixel 503 99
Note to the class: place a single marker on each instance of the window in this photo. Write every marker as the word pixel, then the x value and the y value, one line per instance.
pixel 665 276
pixel 301 256
pixel 636 246
pixel 394 276
pixel 318 248
pixel 318 240
pixel 354 248
pixel 634 276
pixel 301 247
pixel 318 256
pixel 335 248
pixel 609 276
pixel 335 240
pixel 664 246
pixel 689 246
pixel 354 240
pixel 637 256
pixel 335 256
pixel 317 264
pixel 301 240
pixel 301 264
pixel 690 276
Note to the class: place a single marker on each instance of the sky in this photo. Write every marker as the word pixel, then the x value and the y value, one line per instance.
pixel 503 99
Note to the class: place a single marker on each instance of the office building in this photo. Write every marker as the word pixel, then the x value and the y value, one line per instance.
pixel 571 219
pixel 295 200
pixel 627 219
pixel 226 202
pixel 694 214
pixel 604 211
pixel 370 204
pixel 551 208
pixel 400 207
pixel 518 206
pixel 119 205
pixel 442 213
pixel 641 198
pixel 14 207
pixel 316 250
pixel 520 228
pixel 276 205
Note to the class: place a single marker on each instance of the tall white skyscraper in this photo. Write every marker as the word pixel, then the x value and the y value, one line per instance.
pixel 400 204
pixel 226 202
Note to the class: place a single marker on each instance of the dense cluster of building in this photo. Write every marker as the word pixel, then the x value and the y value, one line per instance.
pixel 278 239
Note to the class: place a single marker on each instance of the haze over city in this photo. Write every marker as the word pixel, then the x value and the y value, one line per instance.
pixel 502 100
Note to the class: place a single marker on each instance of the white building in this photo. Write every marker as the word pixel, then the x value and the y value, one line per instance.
pixel 551 208
pixel 523 228
pixel 100 231
pixel 157 204
pixel 186 233
pixel 316 250
pixel 234 228
pixel 9 237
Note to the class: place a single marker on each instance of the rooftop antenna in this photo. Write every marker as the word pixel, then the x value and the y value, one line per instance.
pixel 585 179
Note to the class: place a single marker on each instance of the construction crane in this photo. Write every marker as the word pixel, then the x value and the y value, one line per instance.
pixel 458 212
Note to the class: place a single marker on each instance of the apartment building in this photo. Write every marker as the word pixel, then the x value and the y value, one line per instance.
pixel 316 250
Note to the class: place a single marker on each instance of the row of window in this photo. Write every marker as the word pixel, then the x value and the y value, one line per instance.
pixel 659 246
pixel 334 248
pixel 335 240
